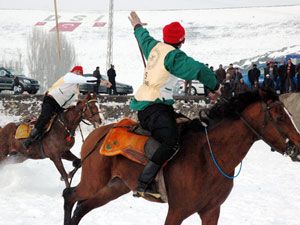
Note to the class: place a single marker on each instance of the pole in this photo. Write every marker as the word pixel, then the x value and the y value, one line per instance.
pixel 109 52
pixel 57 31
pixel 143 58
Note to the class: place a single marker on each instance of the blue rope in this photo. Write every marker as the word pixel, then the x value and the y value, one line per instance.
pixel 216 163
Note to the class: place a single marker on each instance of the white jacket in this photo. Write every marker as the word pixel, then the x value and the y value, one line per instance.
pixel 66 90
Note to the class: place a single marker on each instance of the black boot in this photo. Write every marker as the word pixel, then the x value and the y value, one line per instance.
pixel 35 134
pixel 144 188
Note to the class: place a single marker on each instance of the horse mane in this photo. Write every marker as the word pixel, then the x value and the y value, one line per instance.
pixel 232 107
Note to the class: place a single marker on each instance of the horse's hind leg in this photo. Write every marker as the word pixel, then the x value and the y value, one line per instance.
pixel 210 217
pixel 114 189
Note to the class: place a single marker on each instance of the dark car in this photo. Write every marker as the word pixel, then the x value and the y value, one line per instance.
pixel 17 83
pixel 122 89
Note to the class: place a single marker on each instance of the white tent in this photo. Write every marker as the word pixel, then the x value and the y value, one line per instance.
pixel 291 102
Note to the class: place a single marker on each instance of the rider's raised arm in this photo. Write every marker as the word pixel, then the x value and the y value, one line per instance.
pixel 71 78
pixel 185 67
pixel 146 42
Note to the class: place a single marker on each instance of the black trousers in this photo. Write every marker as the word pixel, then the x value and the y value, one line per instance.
pixel 112 89
pixel 49 108
pixel 160 120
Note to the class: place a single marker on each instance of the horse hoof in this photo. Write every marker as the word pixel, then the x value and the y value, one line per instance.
pixel 76 163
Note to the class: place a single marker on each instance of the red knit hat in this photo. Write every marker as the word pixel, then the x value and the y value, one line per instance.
pixel 77 68
pixel 173 33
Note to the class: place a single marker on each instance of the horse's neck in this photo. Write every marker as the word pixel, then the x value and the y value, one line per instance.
pixel 233 145
pixel 71 124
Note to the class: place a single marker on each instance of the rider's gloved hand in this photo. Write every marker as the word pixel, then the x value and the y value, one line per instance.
pixel 204 119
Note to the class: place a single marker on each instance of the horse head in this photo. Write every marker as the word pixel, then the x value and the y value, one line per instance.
pixel 269 120
pixel 90 109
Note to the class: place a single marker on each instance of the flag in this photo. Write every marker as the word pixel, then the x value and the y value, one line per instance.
pixel 99 24
pixel 40 24
pixel 66 26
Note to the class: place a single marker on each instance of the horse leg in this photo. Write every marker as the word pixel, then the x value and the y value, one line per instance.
pixel 60 167
pixel 69 202
pixel 3 151
pixel 114 189
pixel 174 217
pixel 68 155
pixel 210 217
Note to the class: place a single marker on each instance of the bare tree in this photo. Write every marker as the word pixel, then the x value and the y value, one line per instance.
pixel 43 62
pixel 16 63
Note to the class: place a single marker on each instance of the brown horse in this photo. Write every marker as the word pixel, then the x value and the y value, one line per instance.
pixel 193 182
pixel 55 144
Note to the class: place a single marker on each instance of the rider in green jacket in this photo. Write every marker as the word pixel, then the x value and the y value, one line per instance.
pixel 154 98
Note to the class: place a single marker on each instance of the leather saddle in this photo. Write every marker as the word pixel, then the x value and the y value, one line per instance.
pixel 27 124
pixel 129 139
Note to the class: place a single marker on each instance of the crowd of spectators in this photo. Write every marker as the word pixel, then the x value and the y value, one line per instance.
pixel 279 78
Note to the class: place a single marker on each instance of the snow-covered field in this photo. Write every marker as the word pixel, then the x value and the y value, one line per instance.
pixel 267 192
pixel 214 36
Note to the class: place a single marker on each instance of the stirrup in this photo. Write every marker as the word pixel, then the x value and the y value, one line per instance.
pixel 146 194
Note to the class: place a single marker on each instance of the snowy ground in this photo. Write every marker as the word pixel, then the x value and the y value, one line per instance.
pixel 266 193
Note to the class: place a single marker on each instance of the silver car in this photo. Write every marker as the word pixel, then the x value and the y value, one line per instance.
pixel 197 88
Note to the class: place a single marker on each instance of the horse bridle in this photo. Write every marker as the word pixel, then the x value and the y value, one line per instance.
pixel 291 149
pixel 87 106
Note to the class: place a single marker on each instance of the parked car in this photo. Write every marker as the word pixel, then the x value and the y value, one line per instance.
pixel 197 88
pixel 122 89
pixel 25 84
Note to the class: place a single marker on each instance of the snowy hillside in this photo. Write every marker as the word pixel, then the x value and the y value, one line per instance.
pixel 213 36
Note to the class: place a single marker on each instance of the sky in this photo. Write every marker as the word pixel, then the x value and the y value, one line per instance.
pixel 139 4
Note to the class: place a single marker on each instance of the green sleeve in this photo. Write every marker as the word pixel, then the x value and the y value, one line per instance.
pixel 146 42
pixel 185 67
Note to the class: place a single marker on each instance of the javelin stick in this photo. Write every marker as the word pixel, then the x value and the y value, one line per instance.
pixel 135 20
pixel 143 57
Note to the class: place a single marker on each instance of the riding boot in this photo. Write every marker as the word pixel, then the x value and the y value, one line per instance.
pixel 145 188
pixel 35 134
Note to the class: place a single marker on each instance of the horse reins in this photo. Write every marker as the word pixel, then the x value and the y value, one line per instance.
pixel 87 106
pixel 87 155
pixel 291 150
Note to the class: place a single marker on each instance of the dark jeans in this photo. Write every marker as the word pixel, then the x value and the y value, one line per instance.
pixel 112 89
pixel 160 120
pixel 49 108
pixel 96 88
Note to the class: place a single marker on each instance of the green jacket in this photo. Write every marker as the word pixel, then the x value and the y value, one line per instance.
pixel 177 63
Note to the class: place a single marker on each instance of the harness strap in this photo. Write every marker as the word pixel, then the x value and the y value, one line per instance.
pixel 89 153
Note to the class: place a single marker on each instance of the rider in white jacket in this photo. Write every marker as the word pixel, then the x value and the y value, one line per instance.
pixel 62 94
